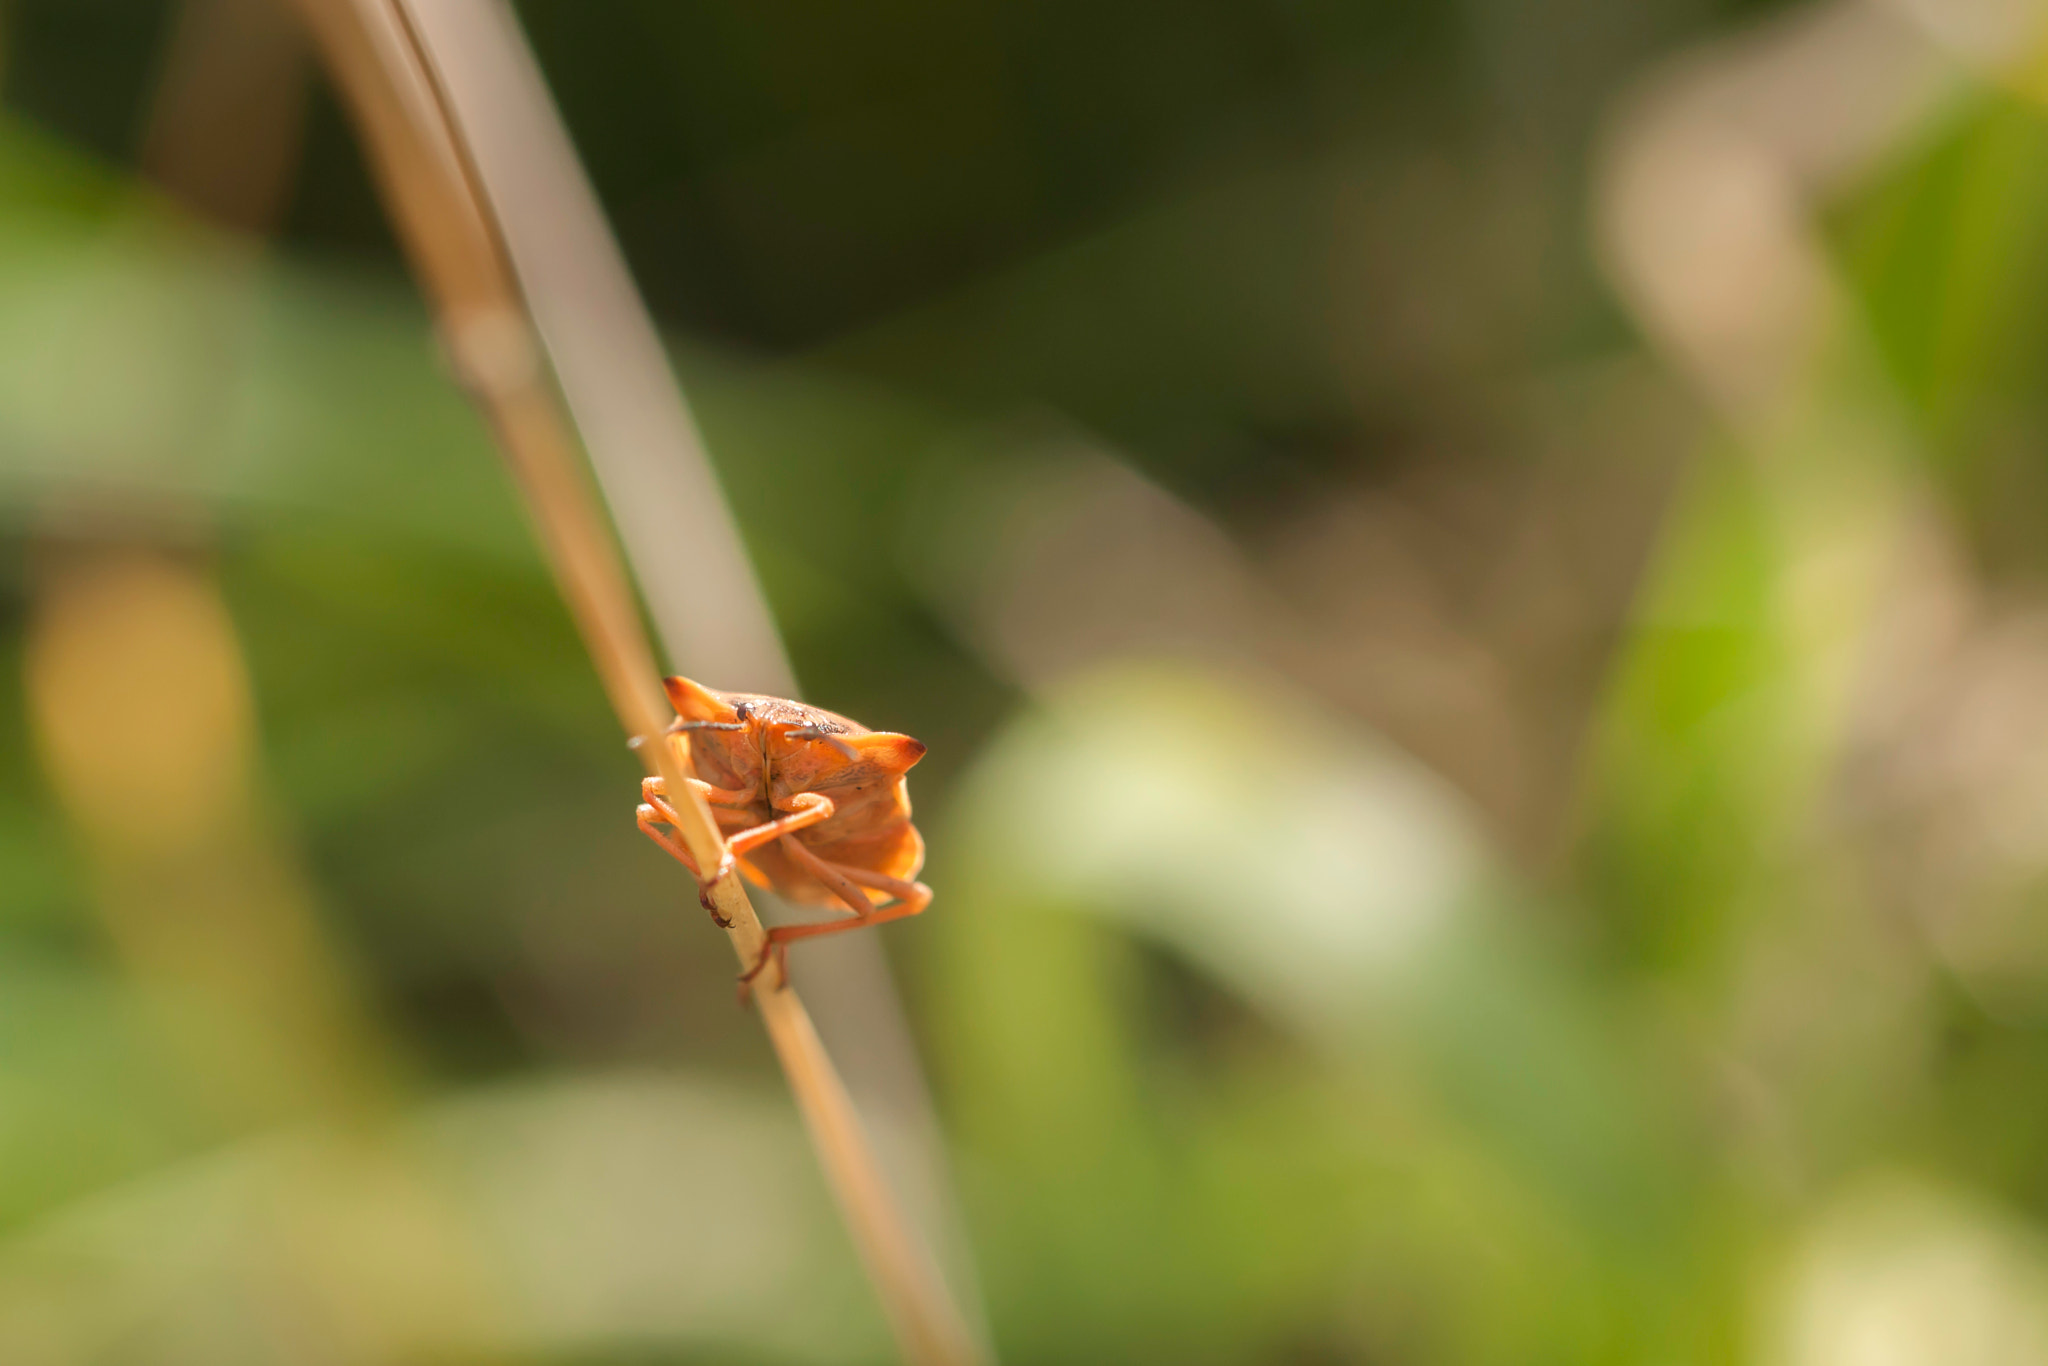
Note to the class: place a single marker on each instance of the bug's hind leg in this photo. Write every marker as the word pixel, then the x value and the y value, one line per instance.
pixel 910 899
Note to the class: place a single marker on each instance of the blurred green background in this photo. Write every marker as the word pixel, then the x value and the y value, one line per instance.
pixel 1472 572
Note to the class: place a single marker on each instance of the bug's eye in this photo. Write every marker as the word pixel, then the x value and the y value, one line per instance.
pixel 741 710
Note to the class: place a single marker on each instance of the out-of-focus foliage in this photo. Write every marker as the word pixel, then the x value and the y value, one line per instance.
pixel 1482 812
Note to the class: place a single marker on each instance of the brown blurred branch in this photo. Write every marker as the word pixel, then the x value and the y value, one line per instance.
pixel 227 117
pixel 375 50
pixel 609 360
pixel 678 538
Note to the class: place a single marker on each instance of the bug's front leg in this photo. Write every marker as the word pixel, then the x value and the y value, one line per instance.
pixel 655 812
pixel 659 826
pixel 805 808
pixel 656 789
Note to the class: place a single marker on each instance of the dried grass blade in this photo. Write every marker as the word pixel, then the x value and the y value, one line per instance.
pixel 372 49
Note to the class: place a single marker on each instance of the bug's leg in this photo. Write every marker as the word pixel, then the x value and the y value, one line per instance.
pixel 770 952
pixel 809 809
pixel 777 950
pixel 846 881
pixel 653 825
pixel 655 792
pixel 911 899
pixel 655 812
pixel 834 875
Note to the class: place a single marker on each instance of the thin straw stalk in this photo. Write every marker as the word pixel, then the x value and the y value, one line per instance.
pixel 373 49
pixel 679 541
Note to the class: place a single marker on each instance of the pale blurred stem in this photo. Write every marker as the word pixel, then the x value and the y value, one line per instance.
pixel 374 52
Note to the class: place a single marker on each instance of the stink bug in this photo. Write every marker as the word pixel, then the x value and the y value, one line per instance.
pixel 812 805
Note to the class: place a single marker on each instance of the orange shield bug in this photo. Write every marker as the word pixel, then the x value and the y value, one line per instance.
pixel 812 805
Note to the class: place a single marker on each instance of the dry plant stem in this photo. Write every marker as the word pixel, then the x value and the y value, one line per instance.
pixel 679 542
pixel 483 324
pixel 610 363
pixel 373 53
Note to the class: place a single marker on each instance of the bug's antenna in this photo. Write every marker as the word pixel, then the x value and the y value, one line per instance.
pixel 811 733
pixel 705 725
